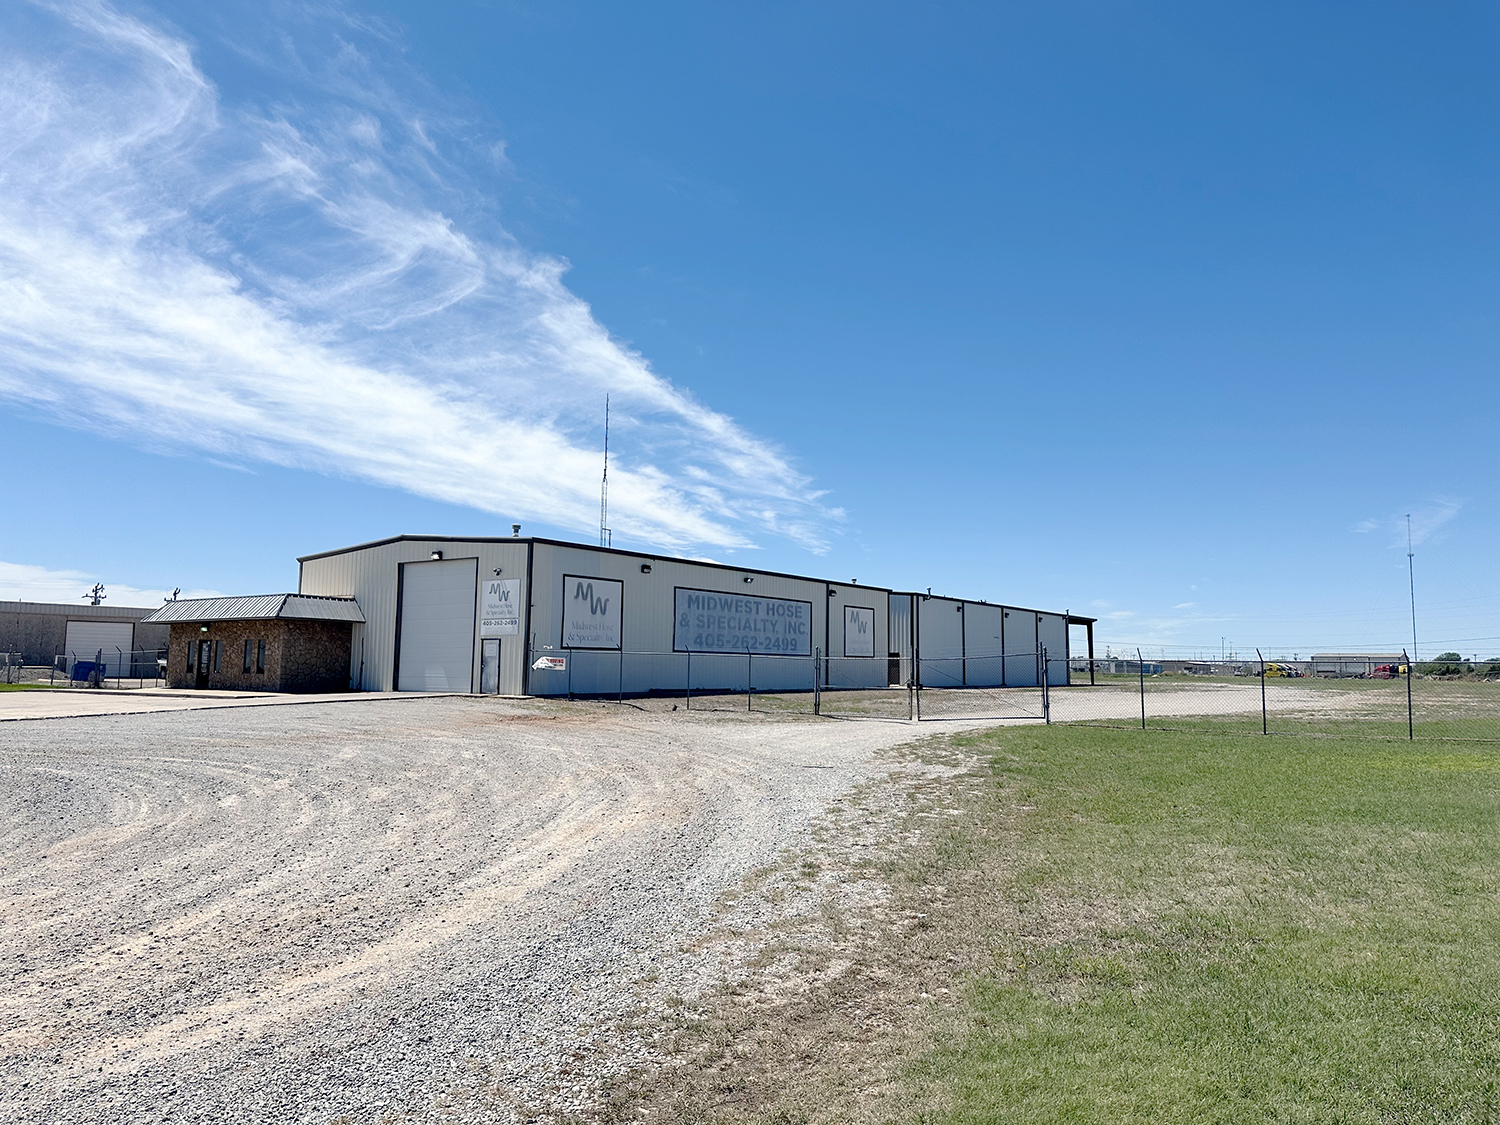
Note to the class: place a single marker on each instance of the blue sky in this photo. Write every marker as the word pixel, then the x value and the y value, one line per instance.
pixel 1163 313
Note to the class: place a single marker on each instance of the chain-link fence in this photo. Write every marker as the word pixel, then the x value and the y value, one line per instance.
pixel 102 668
pixel 1399 700
pixel 1396 701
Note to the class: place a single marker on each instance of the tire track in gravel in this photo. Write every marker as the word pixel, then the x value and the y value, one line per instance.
pixel 363 912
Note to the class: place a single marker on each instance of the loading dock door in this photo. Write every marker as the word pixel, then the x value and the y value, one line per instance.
pixel 436 629
pixel 85 639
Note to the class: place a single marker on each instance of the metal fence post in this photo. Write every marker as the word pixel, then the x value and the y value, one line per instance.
pixel 748 680
pixel 570 673
pixel 690 680
pixel 1140 664
pixel 621 699
pixel 1411 734
pixel 1262 660
pixel 817 681
pixel 1046 694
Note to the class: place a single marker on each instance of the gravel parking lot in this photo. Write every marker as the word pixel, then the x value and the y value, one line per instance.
pixel 375 910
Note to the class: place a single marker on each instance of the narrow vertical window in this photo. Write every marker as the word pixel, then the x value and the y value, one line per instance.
pixel 247 656
pixel 217 646
pixel 260 657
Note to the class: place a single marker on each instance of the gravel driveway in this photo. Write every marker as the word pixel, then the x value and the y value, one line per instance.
pixel 378 910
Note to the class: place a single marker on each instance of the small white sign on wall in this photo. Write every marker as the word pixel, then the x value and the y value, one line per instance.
pixel 859 631
pixel 591 612
pixel 500 608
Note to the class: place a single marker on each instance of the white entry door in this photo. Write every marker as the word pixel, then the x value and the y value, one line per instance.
pixel 438 613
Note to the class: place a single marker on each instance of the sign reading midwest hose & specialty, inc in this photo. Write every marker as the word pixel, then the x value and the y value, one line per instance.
pixel 591 612
pixel 712 621
pixel 500 608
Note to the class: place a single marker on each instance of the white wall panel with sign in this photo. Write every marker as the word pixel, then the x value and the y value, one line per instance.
pixel 712 621
pixel 591 612
pixel 500 608
pixel 859 631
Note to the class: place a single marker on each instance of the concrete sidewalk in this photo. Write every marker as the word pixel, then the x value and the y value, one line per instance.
pixel 69 703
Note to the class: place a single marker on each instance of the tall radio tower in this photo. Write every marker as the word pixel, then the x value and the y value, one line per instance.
pixel 604 533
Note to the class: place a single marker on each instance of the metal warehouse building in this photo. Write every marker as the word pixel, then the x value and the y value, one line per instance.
pixel 541 617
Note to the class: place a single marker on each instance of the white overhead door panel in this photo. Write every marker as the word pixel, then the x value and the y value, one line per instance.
pixel 436 627
pixel 86 638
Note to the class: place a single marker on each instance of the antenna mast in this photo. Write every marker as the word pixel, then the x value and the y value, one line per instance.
pixel 1411 581
pixel 605 535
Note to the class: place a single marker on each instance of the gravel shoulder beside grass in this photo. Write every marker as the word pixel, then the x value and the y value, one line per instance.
pixel 1087 925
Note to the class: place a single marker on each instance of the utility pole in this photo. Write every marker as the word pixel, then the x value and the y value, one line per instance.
pixel 1411 582
pixel 97 594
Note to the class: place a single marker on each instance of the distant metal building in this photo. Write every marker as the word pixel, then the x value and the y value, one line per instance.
pixel 41 632
pixel 1335 665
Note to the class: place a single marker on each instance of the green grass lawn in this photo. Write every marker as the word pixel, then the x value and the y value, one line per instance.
pixel 29 687
pixel 1226 928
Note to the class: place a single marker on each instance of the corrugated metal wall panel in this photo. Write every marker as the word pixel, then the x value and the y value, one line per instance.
pixel 1020 646
pixel 647 627
pixel 1052 635
pixel 984 664
pixel 940 641
pixel 369 575
pixel 855 671
pixel 899 626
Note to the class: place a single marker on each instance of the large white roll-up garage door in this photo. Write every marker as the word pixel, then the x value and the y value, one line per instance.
pixel 436 649
pixel 85 639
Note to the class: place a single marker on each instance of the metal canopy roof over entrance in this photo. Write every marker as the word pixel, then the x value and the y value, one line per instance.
pixel 260 607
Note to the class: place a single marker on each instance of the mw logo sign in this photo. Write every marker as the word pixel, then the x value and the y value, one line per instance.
pixel 591 612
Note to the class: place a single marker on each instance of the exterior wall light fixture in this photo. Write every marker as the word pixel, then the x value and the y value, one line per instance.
pixel 436 556
pixel 645 568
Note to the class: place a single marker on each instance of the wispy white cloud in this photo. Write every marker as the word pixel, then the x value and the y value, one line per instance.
pixel 1430 518
pixel 21 582
pixel 313 283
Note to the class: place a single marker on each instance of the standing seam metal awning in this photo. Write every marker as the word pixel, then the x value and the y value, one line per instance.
pixel 259 607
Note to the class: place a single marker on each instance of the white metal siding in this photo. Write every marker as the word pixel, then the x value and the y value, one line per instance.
pixel 649 660
pixel 1020 647
pixel 900 633
pixel 983 663
pixel 1052 634
pixel 940 631
pixel 370 576
pixel 437 625
pixel 86 638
